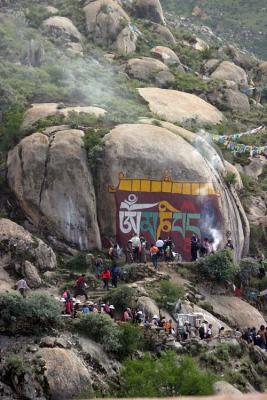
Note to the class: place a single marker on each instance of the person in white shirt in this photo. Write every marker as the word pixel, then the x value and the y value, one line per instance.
pixel 22 287
pixel 159 245
pixel 136 245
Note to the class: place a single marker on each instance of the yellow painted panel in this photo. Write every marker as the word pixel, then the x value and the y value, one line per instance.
pixel 186 188
pixel 136 185
pixel 211 189
pixel 195 189
pixel 155 186
pixel 176 187
pixel 166 187
pixel 204 189
pixel 126 184
pixel 145 185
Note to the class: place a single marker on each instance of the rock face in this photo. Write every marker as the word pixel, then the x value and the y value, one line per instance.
pixel 165 33
pixel 42 170
pixel 44 110
pixel 32 276
pixel 237 101
pixel 223 388
pixel 150 9
pixel 168 56
pixel 67 376
pixel 229 71
pixel 175 106
pixel 238 312
pixel 17 238
pixel 142 153
pixel 263 72
pixel 62 26
pixel 144 68
pixel 108 25
pixel 232 169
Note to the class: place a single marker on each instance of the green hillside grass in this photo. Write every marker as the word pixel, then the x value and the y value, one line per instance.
pixel 241 21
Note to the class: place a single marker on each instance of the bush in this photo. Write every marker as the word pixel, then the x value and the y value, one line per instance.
pixel 102 329
pixel 230 178
pixel 207 306
pixel 219 267
pixel 163 377
pixel 131 339
pixel 121 298
pixel 168 294
pixel 39 311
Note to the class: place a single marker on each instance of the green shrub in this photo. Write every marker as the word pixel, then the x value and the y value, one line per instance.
pixel 16 365
pixel 230 178
pixel 39 311
pixel 121 298
pixel 131 339
pixel 218 267
pixel 207 306
pixel 77 263
pixel 163 377
pixel 102 329
pixel 168 293
pixel 10 133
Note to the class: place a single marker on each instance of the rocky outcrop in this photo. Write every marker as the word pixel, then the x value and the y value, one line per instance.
pixel 255 167
pixel 144 151
pixel 68 380
pixel 42 170
pixel 210 65
pixel 108 25
pixel 233 170
pixel 144 68
pixel 238 312
pixel 175 106
pixel 61 26
pixel 15 240
pixel 32 276
pixel 223 388
pixel 236 101
pixel 168 56
pixel 229 71
pixel 43 110
pixel 164 33
pixel 150 9
pixel 263 72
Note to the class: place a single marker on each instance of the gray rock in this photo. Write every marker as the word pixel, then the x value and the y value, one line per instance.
pixel 223 388
pixel 150 9
pixel 32 276
pixel 47 341
pixel 236 101
pixel 164 79
pixel 229 71
pixel 144 68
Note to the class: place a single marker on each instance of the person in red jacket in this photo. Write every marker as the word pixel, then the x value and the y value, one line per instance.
pixel 79 289
pixel 105 276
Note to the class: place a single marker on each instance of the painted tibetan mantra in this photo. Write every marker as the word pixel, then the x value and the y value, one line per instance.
pixel 153 208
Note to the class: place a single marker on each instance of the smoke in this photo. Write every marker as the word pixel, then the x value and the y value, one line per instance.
pixel 208 226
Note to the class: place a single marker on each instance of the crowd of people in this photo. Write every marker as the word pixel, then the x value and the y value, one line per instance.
pixel 256 337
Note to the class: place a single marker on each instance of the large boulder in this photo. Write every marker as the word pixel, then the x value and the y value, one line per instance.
pixel 150 9
pixel 223 388
pixel 16 241
pixel 175 106
pixel 235 310
pixel 52 181
pixel 62 26
pixel 236 101
pixel 255 167
pixel 140 155
pixel 31 274
pixel 43 110
pixel 66 374
pixel 144 68
pixel 231 72
pixel 168 56
pixel 164 33
pixel 109 25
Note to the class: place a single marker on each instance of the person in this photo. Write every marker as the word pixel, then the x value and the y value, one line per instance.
pixel 194 247
pixel 85 309
pixel 168 327
pixel 155 321
pixel 115 273
pixel 261 338
pixel 138 317
pixel 221 331
pixel 126 316
pixel 79 289
pixel 204 249
pixel 76 308
pixel 247 336
pixel 66 294
pixel 112 311
pixel 143 250
pixel 159 245
pixel 201 331
pixel 154 255
pixel 98 266
pixel 209 332
pixel 105 276
pixel 229 245
pixel 114 254
pixel 22 286
pixel 168 247
pixel 68 306
pixel 129 253
pixel 136 245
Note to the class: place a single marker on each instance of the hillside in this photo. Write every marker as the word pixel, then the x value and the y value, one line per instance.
pixel 239 21
pixel 133 207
